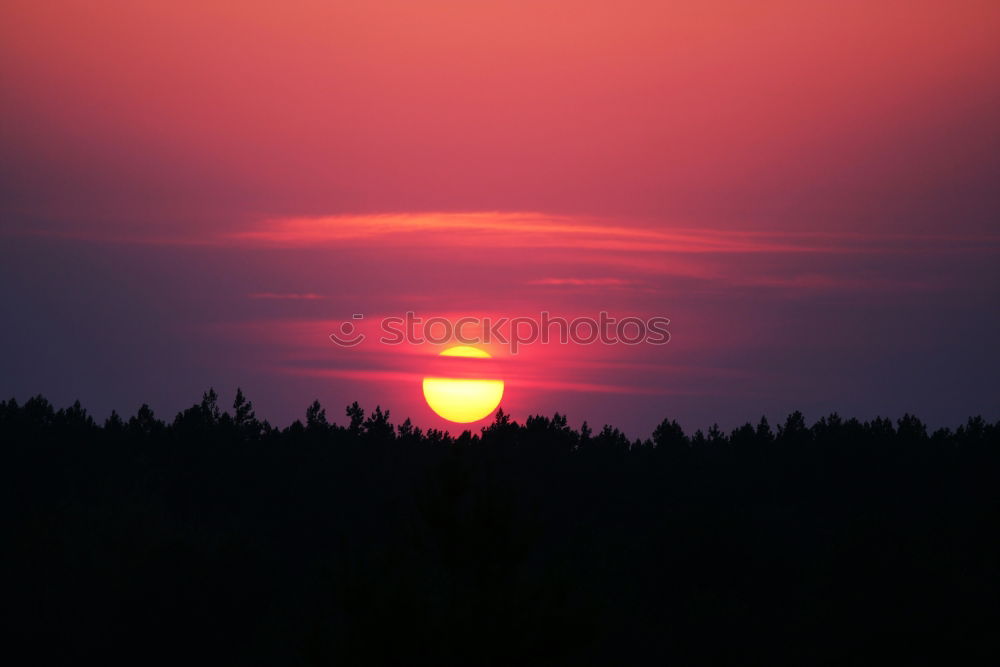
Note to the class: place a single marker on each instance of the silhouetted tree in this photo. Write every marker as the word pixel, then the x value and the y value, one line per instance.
pixel 144 422
pixel 911 429
pixel 764 434
pixel 218 536
pixel 794 432
pixel 669 437
pixel 316 418
pixel 378 428
pixel 114 423
pixel 611 439
pixel 356 417
pixel 244 418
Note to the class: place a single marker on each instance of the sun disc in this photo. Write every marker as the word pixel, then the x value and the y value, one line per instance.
pixel 463 400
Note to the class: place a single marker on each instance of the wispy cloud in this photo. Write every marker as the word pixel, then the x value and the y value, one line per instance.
pixel 293 296
pixel 512 229
pixel 583 282
pixel 540 230
pixel 638 239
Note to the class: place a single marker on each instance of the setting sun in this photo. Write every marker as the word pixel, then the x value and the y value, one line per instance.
pixel 463 400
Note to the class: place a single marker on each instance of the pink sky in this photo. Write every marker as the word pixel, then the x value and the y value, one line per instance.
pixel 191 193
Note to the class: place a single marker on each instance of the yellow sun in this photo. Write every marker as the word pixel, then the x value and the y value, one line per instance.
pixel 463 400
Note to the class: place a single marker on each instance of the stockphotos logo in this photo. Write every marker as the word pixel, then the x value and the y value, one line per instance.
pixel 513 332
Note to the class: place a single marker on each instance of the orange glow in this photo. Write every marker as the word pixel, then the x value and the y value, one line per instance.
pixel 463 400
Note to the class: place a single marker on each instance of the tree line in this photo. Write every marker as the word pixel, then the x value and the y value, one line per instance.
pixel 217 536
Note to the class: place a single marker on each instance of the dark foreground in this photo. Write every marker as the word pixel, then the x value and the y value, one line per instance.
pixel 217 539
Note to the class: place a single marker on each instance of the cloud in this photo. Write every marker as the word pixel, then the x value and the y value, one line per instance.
pixel 490 229
pixel 527 230
pixel 294 296
pixel 583 282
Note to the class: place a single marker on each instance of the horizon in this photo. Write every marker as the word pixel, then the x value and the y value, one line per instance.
pixel 212 400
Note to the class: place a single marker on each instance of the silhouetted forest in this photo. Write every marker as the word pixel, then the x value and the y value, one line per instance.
pixel 215 537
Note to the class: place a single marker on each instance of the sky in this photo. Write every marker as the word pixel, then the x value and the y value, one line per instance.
pixel 199 194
